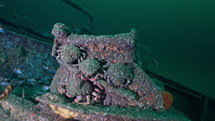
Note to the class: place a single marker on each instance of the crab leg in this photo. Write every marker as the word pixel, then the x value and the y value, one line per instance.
pixel 79 98
pixel 97 90
pixel 69 95
pixel 88 99
pixel 95 78
pixel 97 97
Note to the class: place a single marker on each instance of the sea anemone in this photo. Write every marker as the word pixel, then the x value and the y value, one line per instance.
pixel 168 99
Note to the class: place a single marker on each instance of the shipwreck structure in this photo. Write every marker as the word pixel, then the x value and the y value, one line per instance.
pixel 98 79
pixel 101 69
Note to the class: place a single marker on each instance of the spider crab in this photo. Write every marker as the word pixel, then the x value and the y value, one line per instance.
pixel 70 54
pixel 91 70
pixel 80 82
pixel 79 89
pixel 119 74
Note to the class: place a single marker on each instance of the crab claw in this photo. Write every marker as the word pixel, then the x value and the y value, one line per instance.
pixel 79 98
pixel 97 90
pixel 69 95
pixel 97 97
pixel 100 86
pixel 88 100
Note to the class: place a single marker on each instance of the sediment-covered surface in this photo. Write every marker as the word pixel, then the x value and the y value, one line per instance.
pixel 107 113
pixel 16 108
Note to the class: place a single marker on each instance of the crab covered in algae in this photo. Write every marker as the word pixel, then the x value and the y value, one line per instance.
pixel 79 89
pixel 83 91
pixel 119 74
pixel 89 67
pixel 69 54
pixel 91 70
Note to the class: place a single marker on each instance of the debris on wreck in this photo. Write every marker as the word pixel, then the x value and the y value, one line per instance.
pixel 100 73
pixel 108 58
pixel 6 92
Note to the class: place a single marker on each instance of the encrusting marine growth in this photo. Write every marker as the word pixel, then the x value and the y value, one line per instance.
pixel 101 69
pixel 98 79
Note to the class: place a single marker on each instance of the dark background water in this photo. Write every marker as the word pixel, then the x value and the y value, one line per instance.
pixel 179 35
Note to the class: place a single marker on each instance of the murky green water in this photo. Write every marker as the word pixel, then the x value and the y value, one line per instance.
pixel 178 34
